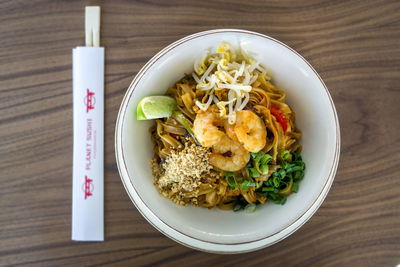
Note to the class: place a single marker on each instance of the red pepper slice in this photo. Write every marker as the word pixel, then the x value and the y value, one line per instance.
pixel 279 117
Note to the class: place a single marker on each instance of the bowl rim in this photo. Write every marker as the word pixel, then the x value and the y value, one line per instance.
pixel 175 234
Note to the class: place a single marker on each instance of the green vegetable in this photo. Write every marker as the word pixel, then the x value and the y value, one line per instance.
pixel 256 160
pixel 261 157
pixel 282 173
pixel 257 167
pixel 268 189
pixel 277 181
pixel 254 155
pixel 286 156
pixel 265 159
pixel 295 187
pixel 237 207
pixel 254 173
pixel 288 189
pixel 260 164
pixel 231 180
pixel 280 200
pixel 298 176
pixel 180 117
pixel 250 207
pixel 240 204
pixel 285 180
pixel 246 184
pixel 297 157
pixel 264 169
pixel 294 169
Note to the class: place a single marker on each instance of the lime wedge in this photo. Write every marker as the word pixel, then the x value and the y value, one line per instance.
pixel 155 107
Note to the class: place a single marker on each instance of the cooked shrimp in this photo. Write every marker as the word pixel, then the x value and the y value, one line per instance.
pixel 230 130
pixel 205 128
pixel 229 155
pixel 250 130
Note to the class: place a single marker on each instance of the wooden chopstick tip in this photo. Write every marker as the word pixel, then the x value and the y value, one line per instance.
pixel 92 26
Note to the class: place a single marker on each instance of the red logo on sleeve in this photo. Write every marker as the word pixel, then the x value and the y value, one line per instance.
pixel 88 187
pixel 89 100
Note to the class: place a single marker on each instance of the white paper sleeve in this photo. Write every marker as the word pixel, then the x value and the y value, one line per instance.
pixel 88 155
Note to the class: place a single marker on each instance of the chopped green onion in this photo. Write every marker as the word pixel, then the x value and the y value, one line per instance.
pixel 295 187
pixel 257 166
pixel 287 189
pixel 250 207
pixel 281 200
pixel 276 180
pixel 254 173
pixel 262 194
pixel 268 189
pixel 285 155
pixel 295 168
pixel 231 180
pixel 285 165
pixel 256 155
pixel 282 173
pixel 265 159
pixel 298 175
pixel 180 117
pixel 264 169
pixel 237 207
pixel 246 184
pixel 297 157
pixel 282 182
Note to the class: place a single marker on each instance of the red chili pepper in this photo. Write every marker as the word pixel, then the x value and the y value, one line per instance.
pixel 279 117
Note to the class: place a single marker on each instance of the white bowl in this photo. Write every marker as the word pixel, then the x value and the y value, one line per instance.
pixel 225 231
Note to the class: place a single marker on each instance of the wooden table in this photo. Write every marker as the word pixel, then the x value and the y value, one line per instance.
pixel 354 45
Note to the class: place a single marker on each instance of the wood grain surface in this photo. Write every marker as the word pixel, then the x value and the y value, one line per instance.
pixel 354 45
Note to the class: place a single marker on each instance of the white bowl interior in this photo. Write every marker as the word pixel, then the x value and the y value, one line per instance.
pixel 314 116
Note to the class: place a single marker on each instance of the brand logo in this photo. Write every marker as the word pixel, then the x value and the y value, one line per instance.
pixel 88 187
pixel 89 100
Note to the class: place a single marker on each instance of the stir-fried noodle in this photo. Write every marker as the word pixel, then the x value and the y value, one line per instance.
pixel 240 144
